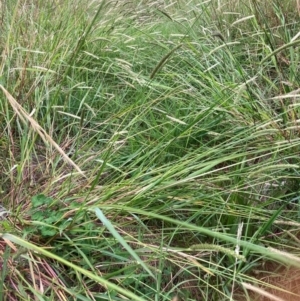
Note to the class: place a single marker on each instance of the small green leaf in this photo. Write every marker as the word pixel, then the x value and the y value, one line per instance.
pixel 38 216
pixel 40 200
pixel 47 231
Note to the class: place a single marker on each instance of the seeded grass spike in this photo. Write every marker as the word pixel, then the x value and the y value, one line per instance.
pixel 163 61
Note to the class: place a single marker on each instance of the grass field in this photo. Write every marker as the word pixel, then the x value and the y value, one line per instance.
pixel 149 150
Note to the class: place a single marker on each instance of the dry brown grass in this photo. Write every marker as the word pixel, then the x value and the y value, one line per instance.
pixel 284 284
pixel 25 117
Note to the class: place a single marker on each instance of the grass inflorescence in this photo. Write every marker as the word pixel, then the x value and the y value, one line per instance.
pixel 149 150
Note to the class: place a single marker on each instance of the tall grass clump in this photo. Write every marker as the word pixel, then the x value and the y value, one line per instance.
pixel 149 150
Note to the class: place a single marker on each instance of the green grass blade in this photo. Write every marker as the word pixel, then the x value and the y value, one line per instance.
pixel 120 239
pixel 100 280
pixel 268 252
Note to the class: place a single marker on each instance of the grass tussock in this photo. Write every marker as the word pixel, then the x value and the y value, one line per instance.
pixel 149 150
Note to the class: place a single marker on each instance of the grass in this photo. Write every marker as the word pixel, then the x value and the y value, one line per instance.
pixel 149 151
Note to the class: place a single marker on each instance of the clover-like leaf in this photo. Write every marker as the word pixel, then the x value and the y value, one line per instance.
pixel 40 200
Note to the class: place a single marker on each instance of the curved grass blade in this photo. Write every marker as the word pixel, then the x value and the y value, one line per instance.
pixel 291 44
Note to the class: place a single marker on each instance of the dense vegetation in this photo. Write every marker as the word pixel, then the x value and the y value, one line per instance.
pixel 149 149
